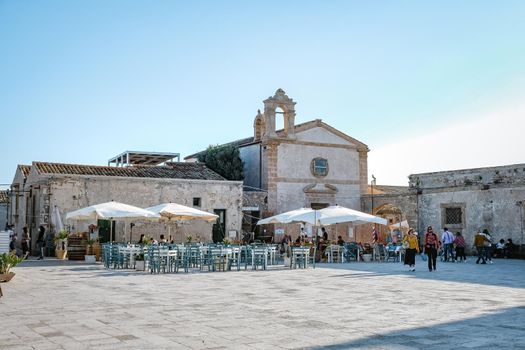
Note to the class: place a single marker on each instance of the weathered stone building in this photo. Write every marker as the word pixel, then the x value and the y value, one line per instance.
pixel 4 203
pixel 307 165
pixel 465 201
pixel 36 189
pixel 473 199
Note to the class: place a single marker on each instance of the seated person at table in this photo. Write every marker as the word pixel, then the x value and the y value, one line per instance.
pixel 340 240
pixel 162 239
pixel 510 248
pixel 325 235
pixel 500 249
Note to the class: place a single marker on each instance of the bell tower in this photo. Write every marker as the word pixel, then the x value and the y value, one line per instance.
pixel 279 100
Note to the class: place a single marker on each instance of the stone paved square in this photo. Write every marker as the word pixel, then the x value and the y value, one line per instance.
pixel 65 305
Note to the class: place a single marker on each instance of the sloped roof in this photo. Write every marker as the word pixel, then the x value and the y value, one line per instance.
pixel 25 169
pixel 383 189
pixel 4 198
pixel 193 171
pixel 298 128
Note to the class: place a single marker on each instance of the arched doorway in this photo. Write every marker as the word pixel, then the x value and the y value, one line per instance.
pixel 393 215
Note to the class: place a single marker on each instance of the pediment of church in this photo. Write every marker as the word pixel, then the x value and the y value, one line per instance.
pixel 319 132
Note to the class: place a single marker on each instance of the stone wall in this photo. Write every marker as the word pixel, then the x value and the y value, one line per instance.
pixel 487 198
pixel 3 215
pixel 296 186
pixel 251 156
pixel 18 198
pixel 406 202
pixel 71 193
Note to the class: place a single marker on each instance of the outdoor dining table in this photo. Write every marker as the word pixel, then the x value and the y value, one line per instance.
pixel 272 251
pixel 131 250
pixel 300 254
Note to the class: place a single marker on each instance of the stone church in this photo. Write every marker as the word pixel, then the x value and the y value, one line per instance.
pixel 310 164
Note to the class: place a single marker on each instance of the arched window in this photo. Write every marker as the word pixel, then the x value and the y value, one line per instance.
pixel 279 119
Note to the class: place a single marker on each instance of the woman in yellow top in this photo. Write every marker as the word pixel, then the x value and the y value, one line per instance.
pixel 411 245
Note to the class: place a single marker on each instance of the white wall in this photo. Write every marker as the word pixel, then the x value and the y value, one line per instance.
pixel 294 162
pixel 320 135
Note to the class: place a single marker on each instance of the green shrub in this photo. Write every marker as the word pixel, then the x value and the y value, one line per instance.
pixel 8 261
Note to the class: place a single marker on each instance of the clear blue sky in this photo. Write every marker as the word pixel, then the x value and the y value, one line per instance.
pixel 81 81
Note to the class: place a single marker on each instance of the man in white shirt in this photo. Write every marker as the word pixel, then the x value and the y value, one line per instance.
pixel 448 244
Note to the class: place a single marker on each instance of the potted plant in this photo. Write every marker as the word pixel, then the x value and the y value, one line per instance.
pixel 8 261
pixel 226 241
pixel 61 244
pixel 90 257
pixel 189 238
pixel 139 262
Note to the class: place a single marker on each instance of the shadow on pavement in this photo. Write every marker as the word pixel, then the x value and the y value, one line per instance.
pixel 502 330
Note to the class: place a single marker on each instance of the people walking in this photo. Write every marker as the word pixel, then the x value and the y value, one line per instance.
pixel 25 242
pixel 479 243
pixel 489 246
pixel 412 246
pixel 40 242
pixel 448 239
pixel 459 242
pixel 432 244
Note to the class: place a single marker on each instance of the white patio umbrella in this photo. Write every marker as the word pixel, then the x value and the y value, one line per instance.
pixel 56 219
pixel 400 225
pixel 337 215
pixel 327 216
pixel 174 211
pixel 307 215
pixel 111 211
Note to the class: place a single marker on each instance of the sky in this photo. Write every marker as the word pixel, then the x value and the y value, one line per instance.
pixel 427 85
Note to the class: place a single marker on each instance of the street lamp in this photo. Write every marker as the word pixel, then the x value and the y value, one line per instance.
pixel 372 184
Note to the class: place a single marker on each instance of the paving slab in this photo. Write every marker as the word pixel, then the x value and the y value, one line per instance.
pixel 72 305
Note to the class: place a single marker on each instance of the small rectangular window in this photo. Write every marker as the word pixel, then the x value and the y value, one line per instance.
pixel 196 201
pixel 453 216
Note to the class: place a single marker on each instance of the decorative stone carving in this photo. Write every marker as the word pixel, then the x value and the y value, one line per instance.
pixel 258 126
pixel 320 189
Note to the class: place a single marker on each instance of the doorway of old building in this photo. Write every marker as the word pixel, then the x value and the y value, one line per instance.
pixel 219 227
pixel 104 230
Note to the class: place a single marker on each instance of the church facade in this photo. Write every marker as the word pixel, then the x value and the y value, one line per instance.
pixel 311 164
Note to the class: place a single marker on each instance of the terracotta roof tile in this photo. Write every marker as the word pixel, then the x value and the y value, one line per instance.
pixel 4 198
pixel 25 169
pixel 384 189
pixel 193 171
